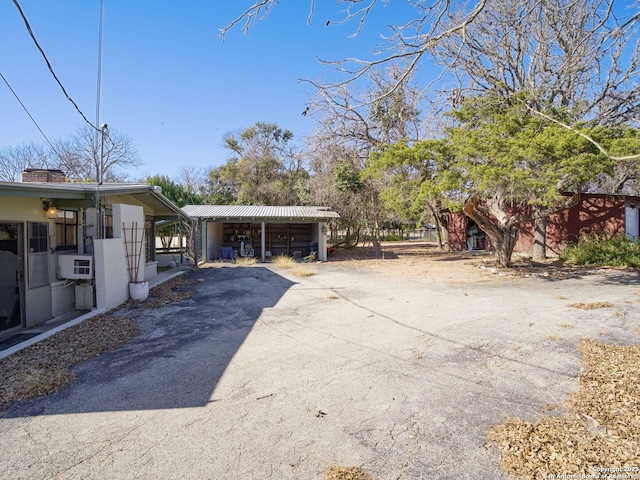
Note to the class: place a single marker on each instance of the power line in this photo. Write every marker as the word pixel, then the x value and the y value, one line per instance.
pixel 26 22
pixel 28 113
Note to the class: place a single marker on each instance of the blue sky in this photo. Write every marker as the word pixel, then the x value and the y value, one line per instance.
pixel 168 80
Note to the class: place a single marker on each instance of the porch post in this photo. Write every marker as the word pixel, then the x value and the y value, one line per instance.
pixel 262 242
pixel 322 242
pixel 204 241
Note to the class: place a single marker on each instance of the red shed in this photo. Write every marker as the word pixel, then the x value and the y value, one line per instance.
pixel 594 213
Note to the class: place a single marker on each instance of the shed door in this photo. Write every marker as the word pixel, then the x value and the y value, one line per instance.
pixel 631 221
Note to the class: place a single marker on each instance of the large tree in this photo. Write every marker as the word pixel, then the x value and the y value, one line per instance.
pixel 221 185
pixel 13 160
pixel 266 166
pixel 335 183
pixel 421 185
pixel 82 154
pixel 565 61
pixel 517 167
pixel 347 136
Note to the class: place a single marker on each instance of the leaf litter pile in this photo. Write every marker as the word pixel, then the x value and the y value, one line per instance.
pixel 598 435
pixel 347 473
pixel 45 367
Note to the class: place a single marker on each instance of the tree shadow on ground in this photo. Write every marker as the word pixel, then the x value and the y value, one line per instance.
pixel 181 353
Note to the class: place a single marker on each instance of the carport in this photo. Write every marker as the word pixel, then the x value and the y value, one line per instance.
pixel 261 231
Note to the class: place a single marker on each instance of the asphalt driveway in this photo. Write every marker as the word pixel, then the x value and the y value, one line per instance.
pixel 262 374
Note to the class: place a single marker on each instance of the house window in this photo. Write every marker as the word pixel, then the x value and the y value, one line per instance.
pixel 67 230
pixel 38 254
pixel 150 239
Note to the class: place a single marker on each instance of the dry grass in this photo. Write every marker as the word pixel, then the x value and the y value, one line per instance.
pixel 168 292
pixel 245 261
pixel 601 428
pixel 288 263
pixel 554 338
pixel 591 306
pixel 284 261
pixel 347 473
pixel 302 271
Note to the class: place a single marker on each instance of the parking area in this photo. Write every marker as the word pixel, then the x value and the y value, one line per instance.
pixel 264 374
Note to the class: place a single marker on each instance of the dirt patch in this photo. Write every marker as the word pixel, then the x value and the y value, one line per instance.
pixel 417 259
pixel 426 260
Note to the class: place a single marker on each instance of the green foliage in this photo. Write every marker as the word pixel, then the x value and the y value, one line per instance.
pixel 175 192
pixel 346 179
pixel 414 177
pixel 266 171
pixel 505 151
pixel 392 237
pixel 619 251
pixel 221 186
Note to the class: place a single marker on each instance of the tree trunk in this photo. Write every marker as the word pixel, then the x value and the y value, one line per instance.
pixel 539 240
pixel 375 233
pixel 502 237
pixel 439 224
pixel 504 243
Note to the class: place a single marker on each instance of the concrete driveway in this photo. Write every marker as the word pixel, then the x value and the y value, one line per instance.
pixel 265 375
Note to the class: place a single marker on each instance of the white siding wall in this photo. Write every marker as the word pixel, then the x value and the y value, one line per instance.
pixel 214 239
pixel 130 215
pixel 112 275
pixel 112 278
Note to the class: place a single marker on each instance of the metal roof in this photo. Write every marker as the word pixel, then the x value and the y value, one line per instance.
pixel 147 194
pixel 259 212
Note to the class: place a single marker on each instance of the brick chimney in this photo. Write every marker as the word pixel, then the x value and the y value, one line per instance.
pixel 32 175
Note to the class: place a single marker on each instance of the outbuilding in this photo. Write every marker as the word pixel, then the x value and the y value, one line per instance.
pixel 607 215
pixel 261 231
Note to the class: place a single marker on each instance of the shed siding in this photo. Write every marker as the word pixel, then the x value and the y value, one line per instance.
pixel 593 214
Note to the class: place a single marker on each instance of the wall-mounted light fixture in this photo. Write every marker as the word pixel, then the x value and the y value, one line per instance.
pixel 50 208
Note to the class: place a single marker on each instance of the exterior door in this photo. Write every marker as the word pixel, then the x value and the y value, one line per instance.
pixel 11 276
pixel 631 221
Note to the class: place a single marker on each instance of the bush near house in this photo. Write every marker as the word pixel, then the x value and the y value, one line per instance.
pixel 618 251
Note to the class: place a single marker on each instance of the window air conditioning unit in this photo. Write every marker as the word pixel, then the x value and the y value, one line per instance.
pixel 75 267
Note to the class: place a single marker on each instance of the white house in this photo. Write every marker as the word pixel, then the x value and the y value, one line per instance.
pixel 62 245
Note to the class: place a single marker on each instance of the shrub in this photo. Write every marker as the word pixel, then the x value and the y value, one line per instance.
pixel 284 261
pixel 618 251
pixel 392 237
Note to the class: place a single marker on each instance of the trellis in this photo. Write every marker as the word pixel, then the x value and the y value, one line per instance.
pixel 133 249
